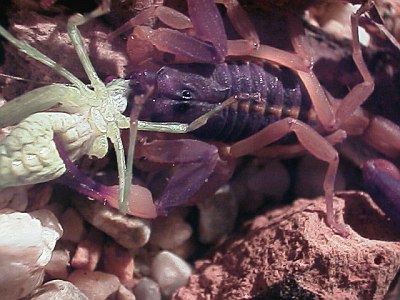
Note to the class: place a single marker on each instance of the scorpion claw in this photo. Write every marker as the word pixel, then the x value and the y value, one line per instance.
pixel 140 202
pixel 381 179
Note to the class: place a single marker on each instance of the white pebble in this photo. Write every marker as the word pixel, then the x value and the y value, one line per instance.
pixel 58 290
pixel 170 232
pixel 26 245
pixel 147 289
pixel 170 272
pixel 217 215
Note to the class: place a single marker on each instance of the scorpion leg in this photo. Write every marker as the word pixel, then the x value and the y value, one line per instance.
pixel 331 119
pixel 363 90
pixel 312 142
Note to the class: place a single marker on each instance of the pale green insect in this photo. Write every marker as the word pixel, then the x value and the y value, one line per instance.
pixel 83 116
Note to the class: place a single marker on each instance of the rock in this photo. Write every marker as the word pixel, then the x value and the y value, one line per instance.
pixel 187 249
pixel 147 289
pixel 27 241
pixel 170 272
pixel 72 224
pixel 217 215
pixel 170 232
pixel 95 285
pixel 129 232
pixel 15 198
pixel 88 252
pixel 124 294
pixel 58 264
pixel 58 290
pixel 291 251
pixel 118 261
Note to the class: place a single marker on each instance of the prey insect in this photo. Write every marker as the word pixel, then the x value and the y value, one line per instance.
pixel 57 124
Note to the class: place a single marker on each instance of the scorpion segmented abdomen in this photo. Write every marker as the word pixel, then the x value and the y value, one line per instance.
pixel 28 154
pixel 273 94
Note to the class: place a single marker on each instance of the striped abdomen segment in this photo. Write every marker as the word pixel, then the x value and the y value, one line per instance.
pixel 273 94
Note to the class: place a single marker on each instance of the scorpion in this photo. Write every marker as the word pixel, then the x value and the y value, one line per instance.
pixel 271 103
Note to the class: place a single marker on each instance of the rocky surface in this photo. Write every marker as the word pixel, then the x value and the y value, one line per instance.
pixel 291 252
pixel 130 232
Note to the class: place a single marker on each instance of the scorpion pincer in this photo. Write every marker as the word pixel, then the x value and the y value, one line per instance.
pixel 272 105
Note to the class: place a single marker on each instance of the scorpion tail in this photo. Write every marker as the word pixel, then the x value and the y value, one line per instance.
pixel 381 179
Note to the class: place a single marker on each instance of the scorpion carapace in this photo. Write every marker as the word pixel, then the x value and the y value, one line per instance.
pixel 185 92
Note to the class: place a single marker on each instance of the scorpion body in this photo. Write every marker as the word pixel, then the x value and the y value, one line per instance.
pixel 185 92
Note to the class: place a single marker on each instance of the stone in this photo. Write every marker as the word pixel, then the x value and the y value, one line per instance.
pixel 89 250
pixel 95 285
pixel 125 294
pixel 27 241
pixel 72 224
pixel 290 251
pixel 129 232
pixel 217 215
pixel 147 289
pixel 170 232
pixel 170 272
pixel 118 261
pixel 58 290
pixel 58 264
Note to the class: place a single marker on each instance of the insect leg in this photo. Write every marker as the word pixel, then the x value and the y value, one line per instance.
pixel 113 129
pixel 77 180
pixel 39 56
pixel 73 22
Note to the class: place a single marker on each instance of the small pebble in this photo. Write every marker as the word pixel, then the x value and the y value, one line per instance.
pixel 58 264
pixel 217 215
pixel 88 252
pixel 15 198
pixel 95 285
pixel 170 272
pixel 125 294
pixel 26 245
pixel 186 250
pixel 129 232
pixel 58 290
pixel 118 261
pixel 147 289
pixel 72 223
pixel 170 232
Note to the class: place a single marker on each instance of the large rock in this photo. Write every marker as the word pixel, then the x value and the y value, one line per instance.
pixel 291 252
